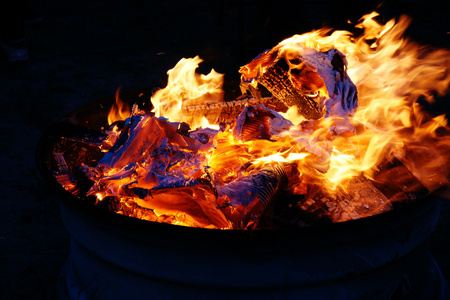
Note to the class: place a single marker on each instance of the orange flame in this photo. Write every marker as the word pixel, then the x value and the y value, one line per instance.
pixel 119 110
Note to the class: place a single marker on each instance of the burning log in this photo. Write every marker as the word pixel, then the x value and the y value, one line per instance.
pixel 243 201
pixel 253 123
pixel 64 176
pixel 226 112
pixel 313 81
pixel 259 122
pixel 277 80
pixel 77 149
pixel 393 185
pixel 428 163
pixel 397 183
pixel 63 168
pixel 357 198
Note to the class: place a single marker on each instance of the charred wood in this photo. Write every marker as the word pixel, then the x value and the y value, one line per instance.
pixel 398 184
pixel 427 162
pixel 357 198
pixel 64 175
pixel 243 201
pixel 227 111
pixel 253 123
pixel 277 80
pixel 285 212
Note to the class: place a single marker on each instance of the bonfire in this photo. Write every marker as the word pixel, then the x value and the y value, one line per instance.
pixel 328 129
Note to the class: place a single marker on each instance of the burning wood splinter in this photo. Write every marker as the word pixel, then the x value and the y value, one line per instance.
pixel 253 162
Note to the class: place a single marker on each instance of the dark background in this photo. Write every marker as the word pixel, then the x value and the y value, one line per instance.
pixel 84 50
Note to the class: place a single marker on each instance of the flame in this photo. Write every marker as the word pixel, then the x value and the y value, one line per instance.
pixel 391 73
pixel 119 110
pixel 185 88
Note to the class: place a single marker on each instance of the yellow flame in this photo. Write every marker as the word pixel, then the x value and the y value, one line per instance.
pixel 391 73
pixel 186 88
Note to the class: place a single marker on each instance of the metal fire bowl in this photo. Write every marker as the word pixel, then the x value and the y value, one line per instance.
pixel 114 256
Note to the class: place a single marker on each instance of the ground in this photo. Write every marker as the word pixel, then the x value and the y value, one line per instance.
pixel 84 50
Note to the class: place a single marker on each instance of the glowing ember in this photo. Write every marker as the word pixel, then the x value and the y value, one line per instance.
pixel 335 153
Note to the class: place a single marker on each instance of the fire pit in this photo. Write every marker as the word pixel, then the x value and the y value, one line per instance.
pixel 365 236
pixel 115 256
